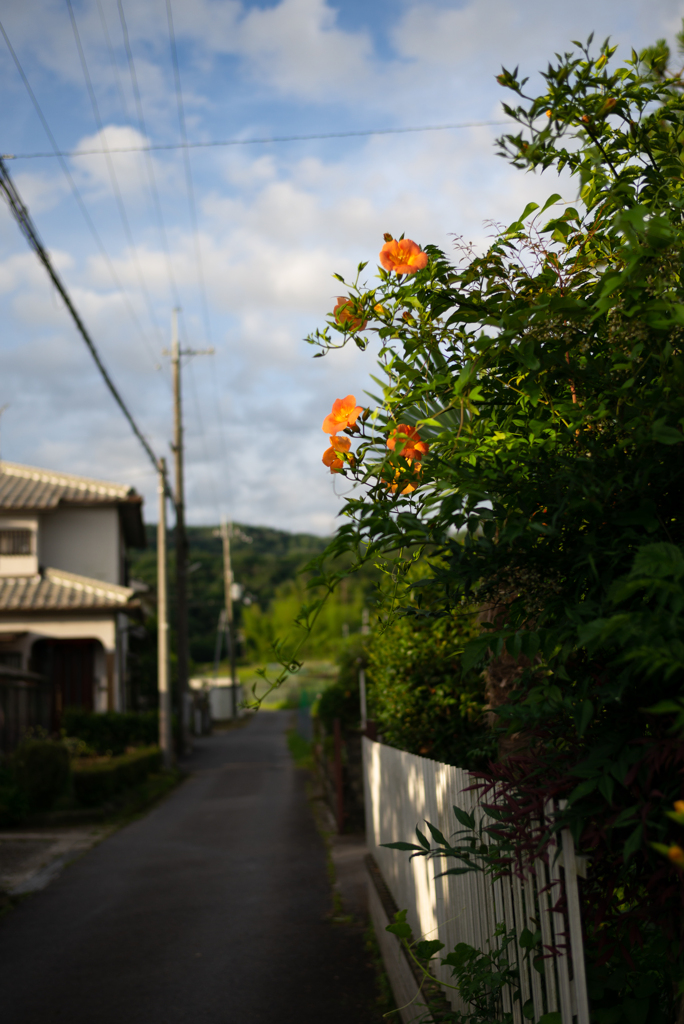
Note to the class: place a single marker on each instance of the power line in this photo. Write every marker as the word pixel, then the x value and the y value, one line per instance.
pixel 112 172
pixel 154 191
pixel 72 185
pixel 112 60
pixel 21 215
pixel 188 171
pixel 157 146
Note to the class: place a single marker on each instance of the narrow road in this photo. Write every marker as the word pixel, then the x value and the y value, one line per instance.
pixel 212 909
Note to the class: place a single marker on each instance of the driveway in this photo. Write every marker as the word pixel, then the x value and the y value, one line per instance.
pixel 212 909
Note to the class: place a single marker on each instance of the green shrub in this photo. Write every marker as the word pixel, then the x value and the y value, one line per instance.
pixel 113 731
pixel 41 770
pixel 341 700
pixel 97 781
pixel 13 803
pixel 419 696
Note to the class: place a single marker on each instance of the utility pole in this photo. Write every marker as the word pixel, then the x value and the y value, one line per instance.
pixel 226 533
pixel 182 644
pixel 365 630
pixel 165 737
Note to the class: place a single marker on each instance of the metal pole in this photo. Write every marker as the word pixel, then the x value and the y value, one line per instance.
pixel 165 737
pixel 226 532
pixel 181 540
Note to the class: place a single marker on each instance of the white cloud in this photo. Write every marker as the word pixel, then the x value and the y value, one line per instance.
pixel 274 224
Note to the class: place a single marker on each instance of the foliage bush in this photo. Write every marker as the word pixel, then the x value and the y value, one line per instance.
pixel 418 694
pixel 97 781
pixel 341 613
pixel 113 731
pixel 341 699
pixel 536 391
pixel 41 770
pixel 13 802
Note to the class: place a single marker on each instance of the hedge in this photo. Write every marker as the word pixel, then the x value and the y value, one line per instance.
pixel 96 781
pixel 40 770
pixel 113 731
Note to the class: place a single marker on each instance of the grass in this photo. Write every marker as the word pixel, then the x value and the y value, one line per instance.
pixel 301 751
pixel 384 999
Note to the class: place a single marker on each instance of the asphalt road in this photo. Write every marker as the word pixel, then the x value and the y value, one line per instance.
pixel 212 909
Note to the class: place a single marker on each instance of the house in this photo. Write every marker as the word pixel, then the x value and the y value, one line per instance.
pixel 65 602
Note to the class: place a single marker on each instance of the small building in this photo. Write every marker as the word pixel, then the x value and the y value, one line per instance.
pixel 218 691
pixel 65 599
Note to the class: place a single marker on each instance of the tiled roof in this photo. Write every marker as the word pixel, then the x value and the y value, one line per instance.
pixel 56 590
pixel 25 487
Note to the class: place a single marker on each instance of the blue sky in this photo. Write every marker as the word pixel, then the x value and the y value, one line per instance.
pixel 274 220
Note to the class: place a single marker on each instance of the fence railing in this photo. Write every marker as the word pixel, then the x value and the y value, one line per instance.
pixel 404 790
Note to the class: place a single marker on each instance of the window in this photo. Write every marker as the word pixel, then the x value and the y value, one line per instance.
pixel 15 542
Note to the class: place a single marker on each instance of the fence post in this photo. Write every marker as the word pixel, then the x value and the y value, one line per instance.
pixel 339 783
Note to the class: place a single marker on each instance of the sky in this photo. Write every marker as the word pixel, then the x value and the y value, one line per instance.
pixel 244 238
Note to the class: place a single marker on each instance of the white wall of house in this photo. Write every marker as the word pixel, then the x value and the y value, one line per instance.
pixel 86 541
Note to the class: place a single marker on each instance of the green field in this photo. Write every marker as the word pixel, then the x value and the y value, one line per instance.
pixel 312 678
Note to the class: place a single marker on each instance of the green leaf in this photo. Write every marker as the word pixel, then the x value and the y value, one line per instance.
pixel 465 819
pixel 584 789
pixel 527 939
pixel 402 846
pixel 633 843
pixel 402 931
pixel 586 716
pixel 426 949
pixel 666 435
pixel 436 834
pixel 551 1018
pixel 458 871
pixel 666 707
pixel 626 817
pixel 399 926
pixel 474 652
pixel 421 839
pixel 606 787
pixel 549 202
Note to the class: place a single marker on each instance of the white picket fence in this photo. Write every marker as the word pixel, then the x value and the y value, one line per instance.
pixel 403 791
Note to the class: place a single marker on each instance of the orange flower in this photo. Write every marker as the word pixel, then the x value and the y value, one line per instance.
pixel 331 456
pixel 408 441
pixel 676 855
pixel 410 485
pixel 344 314
pixel 344 413
pixel 403 256
pixel 679 806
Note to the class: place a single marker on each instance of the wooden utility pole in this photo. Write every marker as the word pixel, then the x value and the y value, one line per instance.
pixel 226 533
pixel 182 643
pixel 181 540
pixel 165 735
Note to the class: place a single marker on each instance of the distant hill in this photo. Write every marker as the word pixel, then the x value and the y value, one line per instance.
pixel 263 559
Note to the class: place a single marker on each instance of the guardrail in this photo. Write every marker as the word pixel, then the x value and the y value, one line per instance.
pixel 403 791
